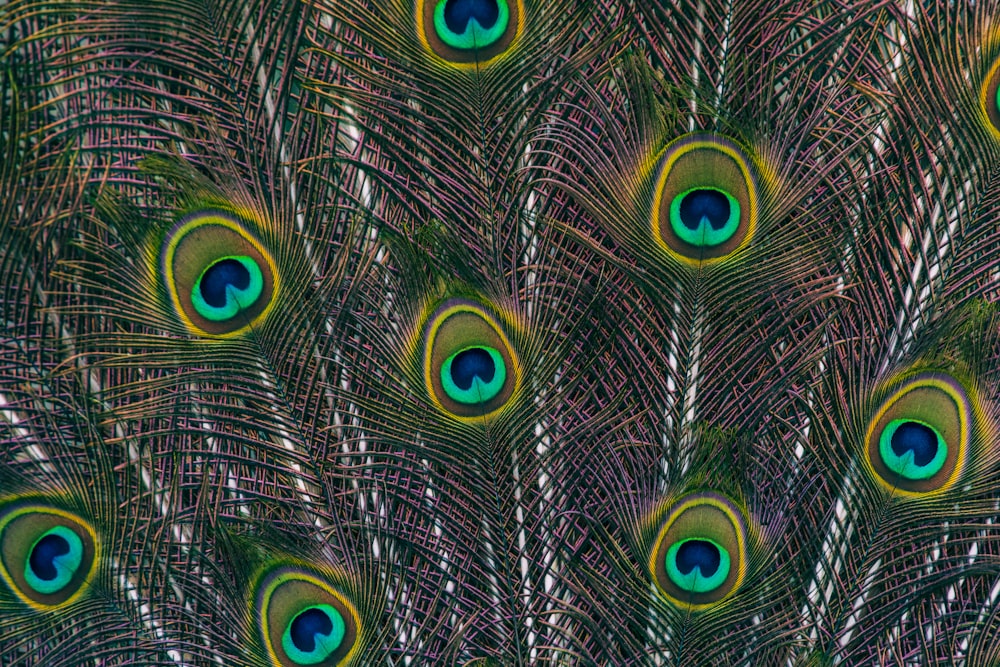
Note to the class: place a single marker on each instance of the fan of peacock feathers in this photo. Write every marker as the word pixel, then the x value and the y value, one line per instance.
pixel 499 332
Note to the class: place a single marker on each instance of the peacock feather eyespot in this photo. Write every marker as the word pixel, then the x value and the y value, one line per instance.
pixel 917 442
pixel 303 620
pixel 699 555
pixel 706 201
pixel 469 32
pixel 990 98
pixel 470 368
pixel 47 555
pixel 220 278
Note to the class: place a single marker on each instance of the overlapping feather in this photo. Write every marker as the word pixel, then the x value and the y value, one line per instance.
pixel 487 223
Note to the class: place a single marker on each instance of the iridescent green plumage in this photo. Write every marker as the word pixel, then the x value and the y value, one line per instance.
pixel 470 369
pixel 707 202
pixel 303 620
pixel 700 553
pixel 469 32
pixel 221 280
pixel 47 555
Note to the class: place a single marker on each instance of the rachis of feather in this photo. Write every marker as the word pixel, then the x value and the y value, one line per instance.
pixel 303 619
pixel 47 555
pixel 917 441
pixel 470 369
pixel 706 203
pixel 469 33
pixel 221 280
pixel 699 557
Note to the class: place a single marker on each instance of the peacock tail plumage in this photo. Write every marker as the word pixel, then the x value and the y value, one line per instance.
pixel 499 332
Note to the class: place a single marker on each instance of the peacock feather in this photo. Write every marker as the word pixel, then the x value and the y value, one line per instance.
pixel 499 332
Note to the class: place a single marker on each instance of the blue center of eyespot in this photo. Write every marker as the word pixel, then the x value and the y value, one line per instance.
pixel 470 364
pixel 54 560
pixel 314 634
pixel 697 565
pixel 705 216
pixel 459 13
pixel 701 205
pixel 917 438
pixel 469 25
pixel 226 287
pixel 912 449
pixel 307 625
pixel 220 277
pixel 700 554
pixel 45 556
pixel 474 375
